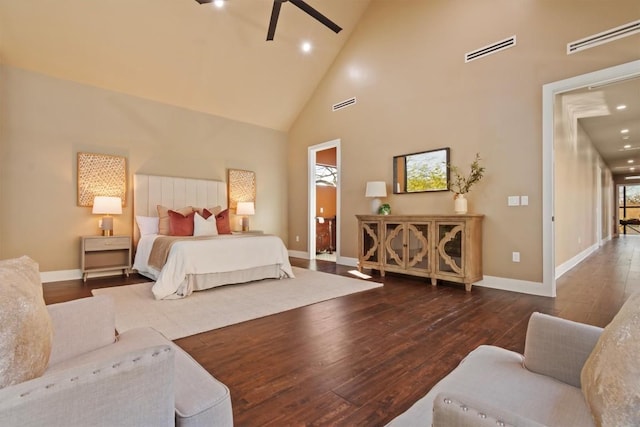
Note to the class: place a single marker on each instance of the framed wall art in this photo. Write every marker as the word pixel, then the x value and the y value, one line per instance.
pixel 101 175
pixel 241 186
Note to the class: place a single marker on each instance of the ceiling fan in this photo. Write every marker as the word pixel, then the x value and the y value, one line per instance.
pixel 275 12
pixel 305 8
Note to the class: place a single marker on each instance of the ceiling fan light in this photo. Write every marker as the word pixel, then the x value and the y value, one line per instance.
pixel 218 3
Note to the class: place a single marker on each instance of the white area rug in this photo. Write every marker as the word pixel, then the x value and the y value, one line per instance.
pixel 223 306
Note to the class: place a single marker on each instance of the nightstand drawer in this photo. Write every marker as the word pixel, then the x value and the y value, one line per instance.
pixel 106 243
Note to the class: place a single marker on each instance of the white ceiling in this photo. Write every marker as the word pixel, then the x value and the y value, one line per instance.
pixel 180 52
pixel 604 130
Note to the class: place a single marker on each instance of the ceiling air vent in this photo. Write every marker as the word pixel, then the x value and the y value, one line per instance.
pixel 604 37
pixel 492 48
pixel 344 104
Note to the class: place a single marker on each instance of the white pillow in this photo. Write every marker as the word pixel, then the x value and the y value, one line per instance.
pixel 147 224
pixel 204 227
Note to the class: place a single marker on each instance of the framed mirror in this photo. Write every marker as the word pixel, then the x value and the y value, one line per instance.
pixel 421 172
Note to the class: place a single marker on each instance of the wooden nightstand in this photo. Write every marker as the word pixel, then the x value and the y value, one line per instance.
pixel 103 253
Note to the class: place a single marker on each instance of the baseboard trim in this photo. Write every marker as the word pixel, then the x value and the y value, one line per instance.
pixel 514 285
pixel 298 254
pixel 568 265
pixel 62 275
pixel 492 282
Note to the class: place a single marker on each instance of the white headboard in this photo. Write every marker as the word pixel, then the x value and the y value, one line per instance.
pixel 149 191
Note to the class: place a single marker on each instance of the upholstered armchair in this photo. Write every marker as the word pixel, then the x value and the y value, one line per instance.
pixel 90 376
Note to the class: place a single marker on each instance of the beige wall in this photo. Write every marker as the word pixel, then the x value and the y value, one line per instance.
pixel 405 66
pixel 45 121
pixel 577 165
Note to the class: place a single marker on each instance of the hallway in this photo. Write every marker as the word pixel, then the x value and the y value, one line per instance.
pixel 599 285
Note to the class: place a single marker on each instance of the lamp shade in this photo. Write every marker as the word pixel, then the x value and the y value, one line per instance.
pixel 245 208
pixel 107 205
pixel 376 189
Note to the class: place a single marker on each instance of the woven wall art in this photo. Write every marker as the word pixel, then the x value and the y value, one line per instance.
pixel 242 186
pixel 101 175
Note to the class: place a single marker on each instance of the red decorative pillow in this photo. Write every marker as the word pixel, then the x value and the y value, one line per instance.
pixel 179 224
pixel 222 222
pixel 207 212
pixel 163 218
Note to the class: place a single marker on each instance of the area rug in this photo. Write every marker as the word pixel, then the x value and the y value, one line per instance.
pixel 218 307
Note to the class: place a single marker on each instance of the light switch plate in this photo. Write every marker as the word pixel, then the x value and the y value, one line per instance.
pixel 524 200
pixel 513 201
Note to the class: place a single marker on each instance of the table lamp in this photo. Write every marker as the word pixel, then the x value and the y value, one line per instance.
pixel 107 206
pixel 376 189
pixel 245 209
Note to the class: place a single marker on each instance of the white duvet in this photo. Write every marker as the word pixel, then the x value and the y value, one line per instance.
pixel 221 254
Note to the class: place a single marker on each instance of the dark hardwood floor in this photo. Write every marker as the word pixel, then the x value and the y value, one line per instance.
pixel 363 359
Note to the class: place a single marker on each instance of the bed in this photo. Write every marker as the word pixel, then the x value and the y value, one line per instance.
pixel 199 263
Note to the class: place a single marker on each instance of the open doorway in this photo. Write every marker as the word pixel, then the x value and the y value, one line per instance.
pixel 324 200
pixel 595 80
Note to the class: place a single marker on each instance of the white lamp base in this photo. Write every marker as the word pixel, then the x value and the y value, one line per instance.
pixel 375 205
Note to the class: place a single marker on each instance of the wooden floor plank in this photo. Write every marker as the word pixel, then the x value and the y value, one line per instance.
pixel 363 359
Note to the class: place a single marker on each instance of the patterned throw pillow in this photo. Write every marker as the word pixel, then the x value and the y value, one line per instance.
pixel 611 375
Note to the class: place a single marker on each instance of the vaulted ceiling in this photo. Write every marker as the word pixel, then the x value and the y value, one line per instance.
pixel 182 53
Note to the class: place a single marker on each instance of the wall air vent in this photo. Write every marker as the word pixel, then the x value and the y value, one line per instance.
pixel 344 104
pixel 492 48
pixel 604 37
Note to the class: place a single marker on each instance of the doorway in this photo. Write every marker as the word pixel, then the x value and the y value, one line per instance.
pixel 549 92
pixel 324 201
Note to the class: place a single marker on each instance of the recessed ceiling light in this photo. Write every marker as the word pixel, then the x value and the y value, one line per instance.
pixel 627 146
pixel 625 137
pixel 624 131
pixel 306 47
pixel 632 177
pixel 621 107
pixel 632 169
pixel 218 3
pixel 629 161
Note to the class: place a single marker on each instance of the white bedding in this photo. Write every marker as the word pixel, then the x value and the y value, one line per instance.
pixel 220 255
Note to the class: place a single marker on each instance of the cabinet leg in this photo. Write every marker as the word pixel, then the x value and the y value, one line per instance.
pixel 84 277
pixel 126 272
pixel 467 287
pixel 434 281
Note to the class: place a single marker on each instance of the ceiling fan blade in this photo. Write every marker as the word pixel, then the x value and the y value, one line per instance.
pixel 275 12
pixel 317 15
pixel 204 1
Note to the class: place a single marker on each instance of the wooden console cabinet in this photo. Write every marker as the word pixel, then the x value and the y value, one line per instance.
pixel 445 247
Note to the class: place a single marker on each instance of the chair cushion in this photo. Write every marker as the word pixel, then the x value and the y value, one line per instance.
pixel 611 376
pixel 26 333
pixel 497 376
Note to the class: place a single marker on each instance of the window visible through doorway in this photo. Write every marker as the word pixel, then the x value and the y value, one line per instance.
pixel 326 175
pixel 629 208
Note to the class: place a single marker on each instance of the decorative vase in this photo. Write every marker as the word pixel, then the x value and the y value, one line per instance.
pixel 460 204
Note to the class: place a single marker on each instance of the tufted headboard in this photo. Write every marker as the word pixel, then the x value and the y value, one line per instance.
pixel 149 191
